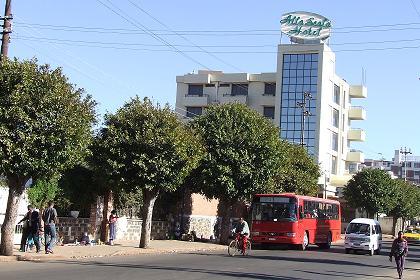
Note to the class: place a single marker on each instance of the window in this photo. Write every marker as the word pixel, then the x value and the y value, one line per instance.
pixel 194 111
pixel 334 141
pixel 270 89
pixel 300 75
pixel 319 210
pixel 239 89
pixel 416 164
pixel 333 165
pixel 408 164
pixel 335 118
pixel 269 112
pixel 343 122
pixel 336 94
pixel 224 85
pixel 195 90
pixel 210 85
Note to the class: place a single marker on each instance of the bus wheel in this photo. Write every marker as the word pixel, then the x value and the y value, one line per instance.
pixel 305 242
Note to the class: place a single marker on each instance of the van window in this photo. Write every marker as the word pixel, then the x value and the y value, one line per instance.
pixel 378 229
pixel 373 229
pixel 358 228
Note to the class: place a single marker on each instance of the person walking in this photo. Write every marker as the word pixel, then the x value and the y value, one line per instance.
pixel 399 251
pixel 112 226
pixel 25 228
pixel 35 228
pixel 50 220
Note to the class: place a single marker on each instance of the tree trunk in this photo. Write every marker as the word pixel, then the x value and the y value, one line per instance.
pixel 149 199
pixel 225 230
pixel 16 188
pixel 394 226
pixel 108 202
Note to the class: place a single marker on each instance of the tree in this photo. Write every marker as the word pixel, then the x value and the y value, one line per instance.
pixel 372 190
pixel 298 173
pixel 148 148
pixel 42 191
pixel 45 128
pixel 407 204
pixel 244 152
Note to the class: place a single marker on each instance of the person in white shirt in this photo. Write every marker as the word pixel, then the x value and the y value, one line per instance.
pixel 243 229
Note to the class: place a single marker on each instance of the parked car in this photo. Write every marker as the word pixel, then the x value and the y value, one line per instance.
pixel 412 235
pixel 363 235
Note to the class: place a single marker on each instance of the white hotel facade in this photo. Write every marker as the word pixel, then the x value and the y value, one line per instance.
pixel 302 69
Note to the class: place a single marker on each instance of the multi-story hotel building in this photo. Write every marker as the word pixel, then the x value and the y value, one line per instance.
pixel 305 74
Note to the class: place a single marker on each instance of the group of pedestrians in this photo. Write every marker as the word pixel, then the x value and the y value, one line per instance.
pixel 33 228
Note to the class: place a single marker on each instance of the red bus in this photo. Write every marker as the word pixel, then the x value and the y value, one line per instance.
pixel 293 219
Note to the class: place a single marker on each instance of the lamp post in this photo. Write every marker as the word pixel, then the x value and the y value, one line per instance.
pixel 305 113
pixel 405 152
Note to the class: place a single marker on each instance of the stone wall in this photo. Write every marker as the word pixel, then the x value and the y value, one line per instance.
pixel 71 229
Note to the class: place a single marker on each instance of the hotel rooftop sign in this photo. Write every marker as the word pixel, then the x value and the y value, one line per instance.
pixel 304 27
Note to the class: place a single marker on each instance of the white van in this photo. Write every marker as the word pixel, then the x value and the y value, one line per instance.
pixel 363 234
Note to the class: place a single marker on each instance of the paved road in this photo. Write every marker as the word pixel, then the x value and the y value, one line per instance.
pixel 262 264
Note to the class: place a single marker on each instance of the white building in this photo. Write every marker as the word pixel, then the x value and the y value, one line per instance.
pixel 305 75
pixel 401 166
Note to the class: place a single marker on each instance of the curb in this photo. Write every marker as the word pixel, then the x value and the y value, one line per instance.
pixel 8 258
pixel 39 258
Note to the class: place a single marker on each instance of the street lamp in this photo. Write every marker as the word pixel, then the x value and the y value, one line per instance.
pixel 405 152
pixel 306 96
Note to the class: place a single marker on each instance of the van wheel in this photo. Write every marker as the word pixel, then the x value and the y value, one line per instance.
pixel 372 251
pixel 347 250
pixel 305 242
pixel 378 251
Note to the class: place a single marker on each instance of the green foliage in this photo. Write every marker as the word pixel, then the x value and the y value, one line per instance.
pixel 45 123
pixel 244 152
pixel 42 191
pixel 147 147
pixel 371 189
pixel 298 173
pixel 79 187
pixel 128 203
pixel 408 200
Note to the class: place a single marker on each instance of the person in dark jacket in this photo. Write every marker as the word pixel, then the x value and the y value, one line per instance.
pixel 25 228
pixel 399 251
pixel 35 229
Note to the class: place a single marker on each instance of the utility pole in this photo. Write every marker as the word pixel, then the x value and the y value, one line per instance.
pixel 305 113
pixel 405 152
pixel 7 29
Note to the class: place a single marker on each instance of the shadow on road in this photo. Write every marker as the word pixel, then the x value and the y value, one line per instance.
pixel 234 274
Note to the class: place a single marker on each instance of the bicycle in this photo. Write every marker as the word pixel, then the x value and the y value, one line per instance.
pixel 236 246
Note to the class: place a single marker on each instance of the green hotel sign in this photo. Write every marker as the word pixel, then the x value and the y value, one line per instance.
pixel 304 26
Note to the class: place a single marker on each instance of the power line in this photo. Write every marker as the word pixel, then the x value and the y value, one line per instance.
pixel 143 28
pixel 208 46
pixel 183 37
pixel 84 28
pixel 415 8
pixel 214 52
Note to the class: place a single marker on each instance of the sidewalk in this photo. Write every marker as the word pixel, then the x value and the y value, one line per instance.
pixel 122 248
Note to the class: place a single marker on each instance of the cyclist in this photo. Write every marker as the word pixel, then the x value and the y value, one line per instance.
pixel 243 230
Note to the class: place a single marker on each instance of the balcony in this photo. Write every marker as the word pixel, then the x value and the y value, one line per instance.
pixel 340 180
pixel 358 92
pixel 356 134
pixel 357 113
pixel 228 98
pixel 196 100
pixel 355 156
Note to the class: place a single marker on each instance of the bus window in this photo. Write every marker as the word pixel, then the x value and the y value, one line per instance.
pixel 274 211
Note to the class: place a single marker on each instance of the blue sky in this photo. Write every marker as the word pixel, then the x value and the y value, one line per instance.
pixel 116 66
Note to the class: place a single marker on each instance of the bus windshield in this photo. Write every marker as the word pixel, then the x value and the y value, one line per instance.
pixel 274 211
